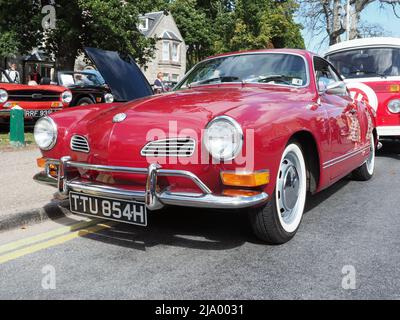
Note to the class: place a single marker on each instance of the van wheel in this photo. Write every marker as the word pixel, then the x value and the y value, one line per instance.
pixel 366 171
pixel 278 221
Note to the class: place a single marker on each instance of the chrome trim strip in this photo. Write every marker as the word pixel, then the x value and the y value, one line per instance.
pixel 344 157
pixel 154 200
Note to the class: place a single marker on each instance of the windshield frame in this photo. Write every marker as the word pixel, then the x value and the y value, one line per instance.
pixel 306 64
pixel 348 49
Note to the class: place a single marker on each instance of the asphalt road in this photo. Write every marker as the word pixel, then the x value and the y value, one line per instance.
pixel 192 254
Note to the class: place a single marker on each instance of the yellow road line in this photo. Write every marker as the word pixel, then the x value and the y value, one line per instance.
pixel 54 242
pixel 47 235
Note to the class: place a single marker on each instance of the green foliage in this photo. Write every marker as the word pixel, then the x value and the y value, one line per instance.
pixel 218 26
pixel 9 44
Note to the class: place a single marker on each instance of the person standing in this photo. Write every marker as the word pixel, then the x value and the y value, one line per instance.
pixel 13 73
pixel 158 83
pixel 35 75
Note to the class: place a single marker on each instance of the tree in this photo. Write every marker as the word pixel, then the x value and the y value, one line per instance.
pixel 333 18
pixel 107 24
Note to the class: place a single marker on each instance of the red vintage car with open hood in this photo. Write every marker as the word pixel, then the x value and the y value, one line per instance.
pixel 254 131
pixel 371 69
pixel 36 100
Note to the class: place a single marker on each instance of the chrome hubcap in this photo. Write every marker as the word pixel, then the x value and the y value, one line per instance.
pixel 371 158
pixel 289 188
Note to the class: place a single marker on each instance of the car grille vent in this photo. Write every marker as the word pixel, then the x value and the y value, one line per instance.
pixel 79 144
pixel 173 147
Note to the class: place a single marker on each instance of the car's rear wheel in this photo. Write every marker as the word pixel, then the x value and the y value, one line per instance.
pixel 84 101
pixel 366 171
pixel 278 221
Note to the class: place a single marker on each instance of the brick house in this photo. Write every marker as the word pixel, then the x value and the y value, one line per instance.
pixel 170 53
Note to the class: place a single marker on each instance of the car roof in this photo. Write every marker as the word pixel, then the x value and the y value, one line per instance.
pixel 365 42
pixel 301 52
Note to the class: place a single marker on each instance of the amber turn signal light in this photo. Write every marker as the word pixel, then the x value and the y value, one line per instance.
pixel 237 179
pixel 239 193
pixel 41 162
pixel 394 88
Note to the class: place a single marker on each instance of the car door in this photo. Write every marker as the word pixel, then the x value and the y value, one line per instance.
pixel 344 121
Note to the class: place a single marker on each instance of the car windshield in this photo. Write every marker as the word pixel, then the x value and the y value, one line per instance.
pixel 271 68
pixel 367 62
pixel 80 79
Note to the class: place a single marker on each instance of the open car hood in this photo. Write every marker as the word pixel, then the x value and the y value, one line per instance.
pixel 123 76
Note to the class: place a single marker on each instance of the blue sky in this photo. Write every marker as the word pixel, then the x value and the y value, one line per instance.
pixel 373 14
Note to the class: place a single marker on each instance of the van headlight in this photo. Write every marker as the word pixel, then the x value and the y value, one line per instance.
pixel 108 98
pixel 66 96
pixel 45 133
pixel 223 138
pixel 394 106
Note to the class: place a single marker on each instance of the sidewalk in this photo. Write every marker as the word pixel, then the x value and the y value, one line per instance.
pixel 23 201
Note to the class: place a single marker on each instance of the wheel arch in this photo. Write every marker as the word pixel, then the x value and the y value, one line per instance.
pixel 81 96
pixel 312 157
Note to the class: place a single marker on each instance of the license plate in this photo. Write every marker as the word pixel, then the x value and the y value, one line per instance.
pixel 131 212
pixel 37 113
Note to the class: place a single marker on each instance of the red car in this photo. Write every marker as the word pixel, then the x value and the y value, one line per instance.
pixel 371 69
pixel 37 100
pixel 254 131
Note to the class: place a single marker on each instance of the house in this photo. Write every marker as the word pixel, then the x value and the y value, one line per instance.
pixel 170 53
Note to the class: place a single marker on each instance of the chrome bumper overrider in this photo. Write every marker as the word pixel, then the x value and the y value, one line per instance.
pixel 153 198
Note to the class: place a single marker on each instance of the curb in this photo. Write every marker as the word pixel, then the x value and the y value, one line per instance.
pixel 51 211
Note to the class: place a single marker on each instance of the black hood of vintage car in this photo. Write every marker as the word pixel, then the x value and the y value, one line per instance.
pixel 123 76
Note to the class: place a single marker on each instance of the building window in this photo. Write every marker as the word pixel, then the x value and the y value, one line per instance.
pixel 143 24
pixel 165 51
pixel 175 77
pixel 175 52
pixel 166 76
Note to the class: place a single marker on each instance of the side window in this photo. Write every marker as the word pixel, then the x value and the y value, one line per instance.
pixel 326 76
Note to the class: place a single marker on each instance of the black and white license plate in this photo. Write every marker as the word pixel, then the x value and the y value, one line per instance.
pixel 131 212
pixel 37 113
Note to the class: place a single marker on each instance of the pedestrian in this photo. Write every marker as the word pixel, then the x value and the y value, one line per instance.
pixel 13 73
pixel 158 83
pixel 35 75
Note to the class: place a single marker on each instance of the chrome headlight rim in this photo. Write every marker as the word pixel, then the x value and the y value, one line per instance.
pixel 55 133
pixel 3 93
pixel 67 99
pixel 239 132
pixel 109 98
pixel 392 107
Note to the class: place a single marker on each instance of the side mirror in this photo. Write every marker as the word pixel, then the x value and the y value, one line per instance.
pixel 336 88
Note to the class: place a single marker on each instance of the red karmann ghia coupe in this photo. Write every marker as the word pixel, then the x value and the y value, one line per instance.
pixel 36 100
pixel 252 130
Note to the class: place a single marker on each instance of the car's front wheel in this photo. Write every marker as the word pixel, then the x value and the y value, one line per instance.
pixel 84 101
pixel 278 221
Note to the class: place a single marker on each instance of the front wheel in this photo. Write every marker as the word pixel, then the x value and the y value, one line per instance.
pixel 278 221
pixel 366 171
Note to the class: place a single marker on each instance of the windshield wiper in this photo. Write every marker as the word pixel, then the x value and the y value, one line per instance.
pixel 368 72
pixel 222 79
pixel 276 77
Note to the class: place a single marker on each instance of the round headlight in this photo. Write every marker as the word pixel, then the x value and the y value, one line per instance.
pixel 66 96
pixel 223 138
pixel 45 133
pixel 394 106
pixel 108 98
pixel 3 96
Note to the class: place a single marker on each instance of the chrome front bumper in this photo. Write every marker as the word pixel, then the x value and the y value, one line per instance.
pixel 153 198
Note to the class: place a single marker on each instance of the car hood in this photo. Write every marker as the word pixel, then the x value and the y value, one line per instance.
pixel 24 87
pixel 123 76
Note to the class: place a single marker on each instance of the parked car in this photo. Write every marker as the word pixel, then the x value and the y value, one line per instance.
pixel 254 131
pixel 36 100
pixel 371 69
pixel 87 87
